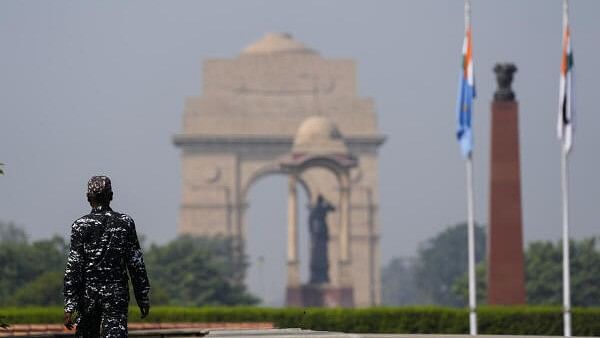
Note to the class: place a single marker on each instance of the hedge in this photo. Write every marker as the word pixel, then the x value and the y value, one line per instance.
pixel 492 320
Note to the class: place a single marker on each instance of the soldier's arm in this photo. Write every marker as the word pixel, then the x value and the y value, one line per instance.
pixel 137 268
pixel 73 282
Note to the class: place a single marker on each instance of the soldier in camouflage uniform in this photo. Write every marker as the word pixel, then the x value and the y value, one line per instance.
pixel 104 246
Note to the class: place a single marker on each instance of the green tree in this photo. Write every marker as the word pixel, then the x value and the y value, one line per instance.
pixel 543 274
pixel 198 271
pixel 22 262
pixel 398 285
pixel 443 260
pixel 186 271
pixel 10 233
pixel 543 270
pixel 461 285
pixel 46 289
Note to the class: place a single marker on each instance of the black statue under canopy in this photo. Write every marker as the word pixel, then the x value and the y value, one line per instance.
pixel 319 238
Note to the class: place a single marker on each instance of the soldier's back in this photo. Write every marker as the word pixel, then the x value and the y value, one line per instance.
pixel 104 234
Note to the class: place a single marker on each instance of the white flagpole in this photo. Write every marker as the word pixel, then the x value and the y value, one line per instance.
pixel 566 260
pixel 471 219
pixel 565 219
pixel 471 244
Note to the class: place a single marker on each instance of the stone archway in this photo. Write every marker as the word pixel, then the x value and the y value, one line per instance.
pixel 245 122
pixel 275 168
pixel 266 237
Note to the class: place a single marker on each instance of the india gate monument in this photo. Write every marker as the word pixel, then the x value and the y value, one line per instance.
pixel 281 108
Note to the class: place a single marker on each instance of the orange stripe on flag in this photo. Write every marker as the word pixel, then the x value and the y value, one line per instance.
pixel 468 54
pixel 564 63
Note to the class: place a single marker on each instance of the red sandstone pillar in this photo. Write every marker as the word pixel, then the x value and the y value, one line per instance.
pixel 506 273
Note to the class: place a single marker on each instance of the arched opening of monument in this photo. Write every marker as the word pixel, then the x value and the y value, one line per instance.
pixel 266 237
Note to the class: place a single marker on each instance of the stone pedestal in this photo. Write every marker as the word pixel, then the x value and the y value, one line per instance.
pixel 319 296
pixel 506 280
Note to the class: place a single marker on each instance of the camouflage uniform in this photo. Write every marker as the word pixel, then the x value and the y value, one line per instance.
pixel 104 246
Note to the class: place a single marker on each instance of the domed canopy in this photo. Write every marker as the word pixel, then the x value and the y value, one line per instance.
pixel 319 135
pixel 273 43
pixel 319 142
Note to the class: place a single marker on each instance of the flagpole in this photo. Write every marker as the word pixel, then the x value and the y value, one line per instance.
pixel 467 14
pixel 471 218
pixel 566 260
pixel 565 218
pixel 471 248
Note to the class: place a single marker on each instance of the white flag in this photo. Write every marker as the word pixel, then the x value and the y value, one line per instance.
pixel 566 103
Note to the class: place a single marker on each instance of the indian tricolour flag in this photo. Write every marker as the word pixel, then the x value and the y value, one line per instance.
pixel 566 103
pixel 466 94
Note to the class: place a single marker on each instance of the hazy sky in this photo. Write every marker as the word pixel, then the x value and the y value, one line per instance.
pixel 99 87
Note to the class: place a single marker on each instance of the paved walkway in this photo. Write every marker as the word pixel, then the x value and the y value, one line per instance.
pixel 270 333
pixel 53 329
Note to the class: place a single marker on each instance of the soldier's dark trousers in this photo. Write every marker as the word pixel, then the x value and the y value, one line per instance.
pixel 104 317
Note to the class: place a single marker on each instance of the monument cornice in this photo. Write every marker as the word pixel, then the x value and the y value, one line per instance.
pixel 191 140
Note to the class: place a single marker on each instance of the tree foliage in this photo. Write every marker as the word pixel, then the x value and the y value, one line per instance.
pixel 543 274
pixel 461 285
pixel 543 271
pixel 198 271
pixel 22 263
pixel 10 233
pixel 398 283
pixel 442 260
pixel 185 271
pixel 45 289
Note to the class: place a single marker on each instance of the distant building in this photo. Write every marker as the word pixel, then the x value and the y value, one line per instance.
pixel 246 120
